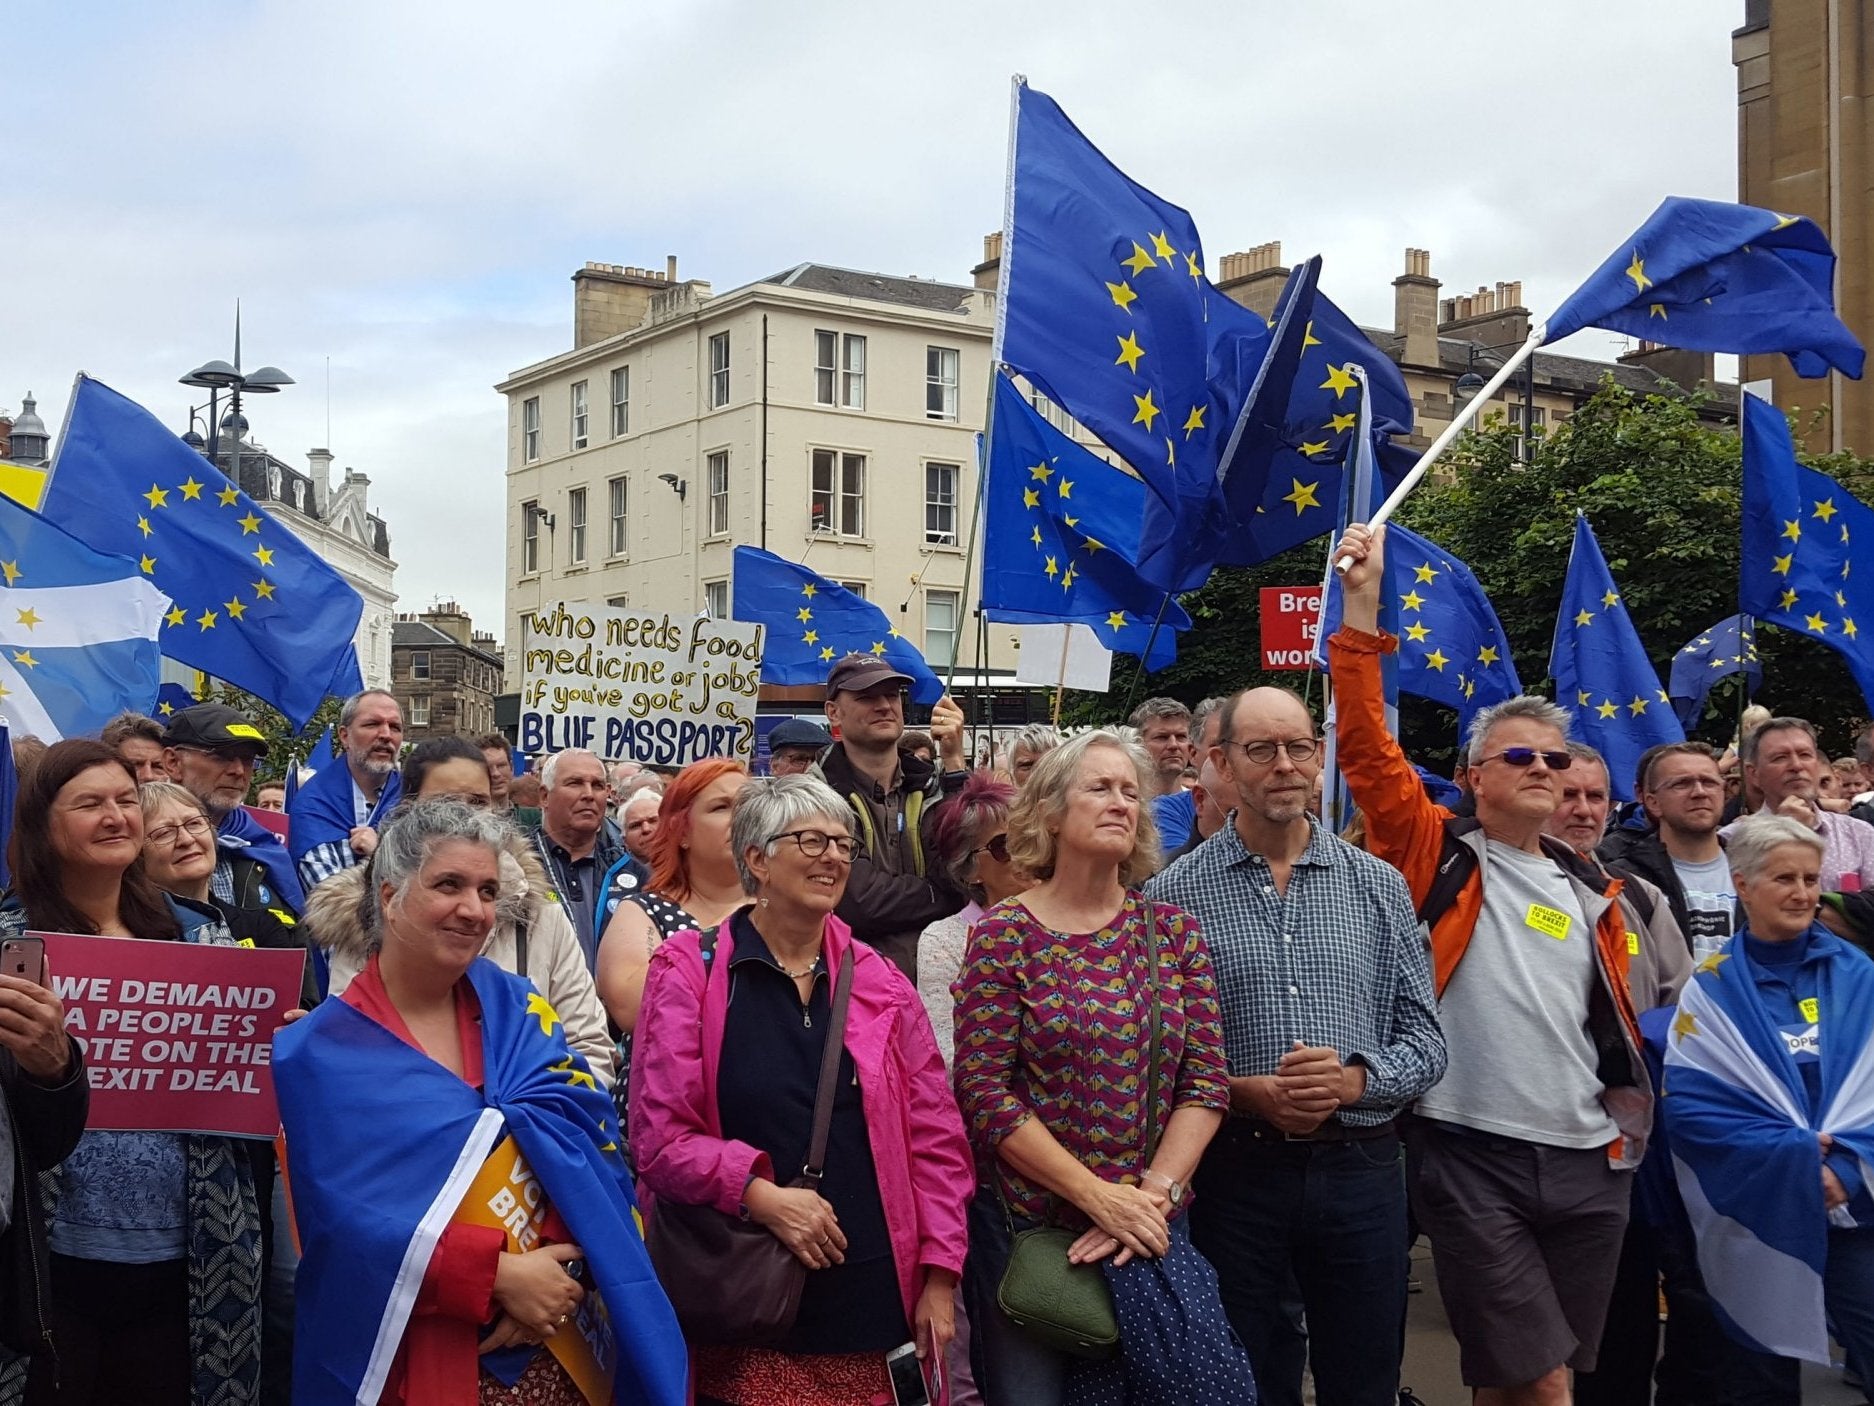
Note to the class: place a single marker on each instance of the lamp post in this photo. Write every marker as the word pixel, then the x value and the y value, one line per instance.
pixel 1470 383
pixel 218 376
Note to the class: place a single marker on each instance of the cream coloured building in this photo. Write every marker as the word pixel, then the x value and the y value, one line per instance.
pixel 825 414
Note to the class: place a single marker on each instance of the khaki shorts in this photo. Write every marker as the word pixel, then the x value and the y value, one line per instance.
pixel 1526 1241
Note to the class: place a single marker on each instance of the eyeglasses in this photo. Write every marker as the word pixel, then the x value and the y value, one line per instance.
pixel 1299 749
pixel 1692 783
pixel 814 843
pixel 195 828
pixel 225 756
pixel 1526 756
pixel 997 849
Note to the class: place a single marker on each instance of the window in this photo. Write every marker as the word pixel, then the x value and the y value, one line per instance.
pixel 941 370
pixel 718 370
pixel 940 504
pixel 839 369
pixel 616 543
pixel 1053 414
pixel 576 523
pixel 530 538
pixel 856 587
pixel 419 663
pixel 825 366
pixel 716 599
pixel 621 401
pixel 940 625
pixel 838 493
pixel 530 429
pixel 719 492
pixel 581 420
pixel 419 711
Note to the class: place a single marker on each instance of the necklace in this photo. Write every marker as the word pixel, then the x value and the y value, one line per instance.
pixel 807 971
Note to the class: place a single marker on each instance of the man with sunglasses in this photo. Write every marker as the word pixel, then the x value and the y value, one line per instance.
pixel 1331 1030
pixel 1518 1160
pixel 897 887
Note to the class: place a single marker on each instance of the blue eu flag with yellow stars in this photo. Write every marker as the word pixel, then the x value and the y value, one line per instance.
pixel 813 622
pixel 1728 647
pixel 1601 672
pixel 1712 276
pixel 1062 538
pixel 252 604
pixel 1801 529
pixel 1106 310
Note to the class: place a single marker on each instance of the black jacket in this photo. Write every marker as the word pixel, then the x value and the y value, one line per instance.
pixel 1642 852
pixel 46 1123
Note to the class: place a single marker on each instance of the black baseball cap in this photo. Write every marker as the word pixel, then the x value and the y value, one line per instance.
pixel 214 725
pixel 858 672
pixel 799 732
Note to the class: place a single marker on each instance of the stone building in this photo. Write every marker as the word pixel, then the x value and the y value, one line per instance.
pixel 444 674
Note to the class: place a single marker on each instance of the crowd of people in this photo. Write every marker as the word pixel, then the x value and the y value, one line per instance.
pixel 1101 1071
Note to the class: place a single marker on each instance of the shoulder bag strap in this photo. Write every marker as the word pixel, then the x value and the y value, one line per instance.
pixel 829 1072
pixel 520 947
pixel 1157 1011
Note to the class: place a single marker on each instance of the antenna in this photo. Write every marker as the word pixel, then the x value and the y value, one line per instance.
pixel 328 401
pixel 237 334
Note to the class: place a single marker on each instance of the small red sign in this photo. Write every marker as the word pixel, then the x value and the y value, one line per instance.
pixel 177 1037
pixel 1290 616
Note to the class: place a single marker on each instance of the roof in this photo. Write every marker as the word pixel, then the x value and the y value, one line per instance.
pixel 925 294
pixel 420 634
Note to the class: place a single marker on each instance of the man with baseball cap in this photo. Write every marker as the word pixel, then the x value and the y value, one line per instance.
pixel 897 886
pixel 795 745
pixel 211 749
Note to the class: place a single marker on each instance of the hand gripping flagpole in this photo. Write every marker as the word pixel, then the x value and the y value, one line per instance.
pixel 1451 431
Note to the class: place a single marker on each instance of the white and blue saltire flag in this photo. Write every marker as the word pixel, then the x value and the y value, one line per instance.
pixel 78 630
pixel 1743 1132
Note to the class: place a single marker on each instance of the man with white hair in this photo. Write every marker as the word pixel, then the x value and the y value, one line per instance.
pixel 582 849
pixel 1518 1160
pixel 637 817
pixel 1783 762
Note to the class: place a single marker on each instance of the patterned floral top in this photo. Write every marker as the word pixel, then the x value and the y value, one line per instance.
pixel 1052 1025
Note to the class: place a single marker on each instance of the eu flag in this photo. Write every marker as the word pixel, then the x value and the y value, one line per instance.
pixel 252 603
pixel 1800 527
pixel 812 622
pixel 1601 671
pixel 1728 647
pixel 1061 537
pixel 171 699
pixel 1107 311
pixel 1712 276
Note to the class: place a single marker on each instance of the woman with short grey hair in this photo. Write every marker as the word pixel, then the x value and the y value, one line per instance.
pixel 726 1060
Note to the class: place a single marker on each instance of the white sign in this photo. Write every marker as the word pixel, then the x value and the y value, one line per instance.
pixel 1064 656
pixel 663 690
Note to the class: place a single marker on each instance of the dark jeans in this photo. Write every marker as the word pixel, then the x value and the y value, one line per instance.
pixel 120 1333
pixel 1329 1217
pixel 1011 1369
pixel 1848 1289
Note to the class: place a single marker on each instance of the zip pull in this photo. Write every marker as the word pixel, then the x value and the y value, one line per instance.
pixel 806 1018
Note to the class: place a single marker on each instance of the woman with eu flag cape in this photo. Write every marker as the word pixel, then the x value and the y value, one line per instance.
pixel 466 1219
pixel 1769 1109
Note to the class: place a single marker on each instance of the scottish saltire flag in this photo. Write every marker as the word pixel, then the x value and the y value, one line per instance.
pixel 1742 1129
pixel 78 631
pixel 1601 671
pixel 251 604
pixel 1802 531
pixel 1728 647
pixel 1712 276
pixel 1061 538
pixel 1282 475
pixel 811 622
pixel 1106 310
pixel 382 1145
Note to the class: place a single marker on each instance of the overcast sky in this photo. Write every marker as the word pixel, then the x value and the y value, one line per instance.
pixel 404 188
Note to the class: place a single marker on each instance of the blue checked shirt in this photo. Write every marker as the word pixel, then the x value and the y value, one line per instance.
pixel 1337 960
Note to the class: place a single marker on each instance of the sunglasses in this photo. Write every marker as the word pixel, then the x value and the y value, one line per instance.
pixel 997 849
pixel 1526 756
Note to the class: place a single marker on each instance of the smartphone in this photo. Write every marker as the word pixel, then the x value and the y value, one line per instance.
pixel 907 1376
pixel 24 957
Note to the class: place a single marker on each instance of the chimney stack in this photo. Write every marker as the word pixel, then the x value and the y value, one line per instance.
pixel 1415 310
pixel 1254 277
pixel 320 461
pixel 609 299
pixel 985 274
pixel 1490 317
pixel 1685 369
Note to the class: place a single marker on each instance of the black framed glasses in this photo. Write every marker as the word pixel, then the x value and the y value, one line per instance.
pixel 1299 749
pixel 815 843
pixel 997 848
pixel 166 835
pixel 1692 783
pixel 1526 757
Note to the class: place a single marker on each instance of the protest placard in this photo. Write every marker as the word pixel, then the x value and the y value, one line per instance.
pixel 1290 616
pixel 177 1036
pixel 663 690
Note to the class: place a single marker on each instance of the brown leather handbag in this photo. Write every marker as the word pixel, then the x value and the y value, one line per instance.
pixel 732 1282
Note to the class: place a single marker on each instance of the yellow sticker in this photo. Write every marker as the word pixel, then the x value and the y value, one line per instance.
pixel 246 730
pixel 1550 922
pixel 1633 944
pixel 1811 1011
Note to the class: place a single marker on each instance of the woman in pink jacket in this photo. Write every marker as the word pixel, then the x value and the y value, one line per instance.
pixel 726 1059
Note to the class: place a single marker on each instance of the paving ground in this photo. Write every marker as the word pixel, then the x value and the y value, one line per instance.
pixel 1431 1356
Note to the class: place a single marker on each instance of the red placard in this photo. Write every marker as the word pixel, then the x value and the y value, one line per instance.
pixel 1290 615
pixel 177 1037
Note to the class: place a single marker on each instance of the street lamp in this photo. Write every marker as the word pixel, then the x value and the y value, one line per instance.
pixel 1470 383
pixel 217 376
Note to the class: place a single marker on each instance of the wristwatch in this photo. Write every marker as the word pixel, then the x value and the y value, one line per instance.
pixel 1174 1190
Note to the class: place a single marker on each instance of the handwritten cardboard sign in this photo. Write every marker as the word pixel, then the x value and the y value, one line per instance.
pixel 177 1037
pixel 663 690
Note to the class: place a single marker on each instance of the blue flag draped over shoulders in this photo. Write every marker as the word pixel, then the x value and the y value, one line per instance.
pixel 323 811
pixel 383 1143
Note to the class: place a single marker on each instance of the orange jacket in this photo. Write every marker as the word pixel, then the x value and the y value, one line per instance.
pixel 1420 838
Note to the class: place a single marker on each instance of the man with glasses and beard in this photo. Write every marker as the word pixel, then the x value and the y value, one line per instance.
pixel 1331 1029
pixel 211 750
pixel 334 817
pixel 1517 1161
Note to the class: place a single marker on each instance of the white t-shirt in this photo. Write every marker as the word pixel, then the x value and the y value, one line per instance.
pixel 1710 904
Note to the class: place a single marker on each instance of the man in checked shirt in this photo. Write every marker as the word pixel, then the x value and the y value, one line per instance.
pixel 1331 1028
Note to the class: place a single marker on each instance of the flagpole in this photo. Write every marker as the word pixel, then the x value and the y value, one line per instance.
pixel 1451 431
pixel 1060 677
pixel 1138 674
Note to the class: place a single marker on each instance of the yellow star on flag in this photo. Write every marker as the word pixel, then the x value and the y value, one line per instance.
pixel 1192 267
pixel 1780 565
pixel 1067 577
pixel 1129 352
pixel 1437 660
pixel 1194 421
pixel 810 590
pixel 1412 600
pixel 1584 698
pixel 1162 246
pixel 1657 310
pixel 1685 1023
pixel 1815 622
pixel 1030 498
pixel 1825 510
pixel 1116 621
pixel 1148 410
pixel 878 647
pixel 191 490
pixel 250 523
pixel 1041 472
pixel 157 497
pixel 539 1007
pixel 1123 296
pixel 1424 574
pixel 1848 627
pixel 1637 272
pixel 175 616
pixel 1611 599
pixel 574 1074
pixel 264 555
pixel 811 637
pixel 1308 339
pixel 28 617
pixel 1607 708
pixel 24 657
pixel 1793 529
pixel 229 496
pixel 825 654
pixel 143 526
pixel 1037 536
pixel 804 614
pixel 1584 618
pixel 206 620
pixel 1787 600
pixel 235 609
pixel 264 589
pixel 1066 487
pixel 895 633
pixel 1052 569
pixel 1338 380
pixel 148 564
pixel 1341 423
pixel 1487 655
pixel 1140 260
pixel 1092 544
pixel 1637 706
pixel 1417 633
pixel 1310 448
pixel 1302 495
